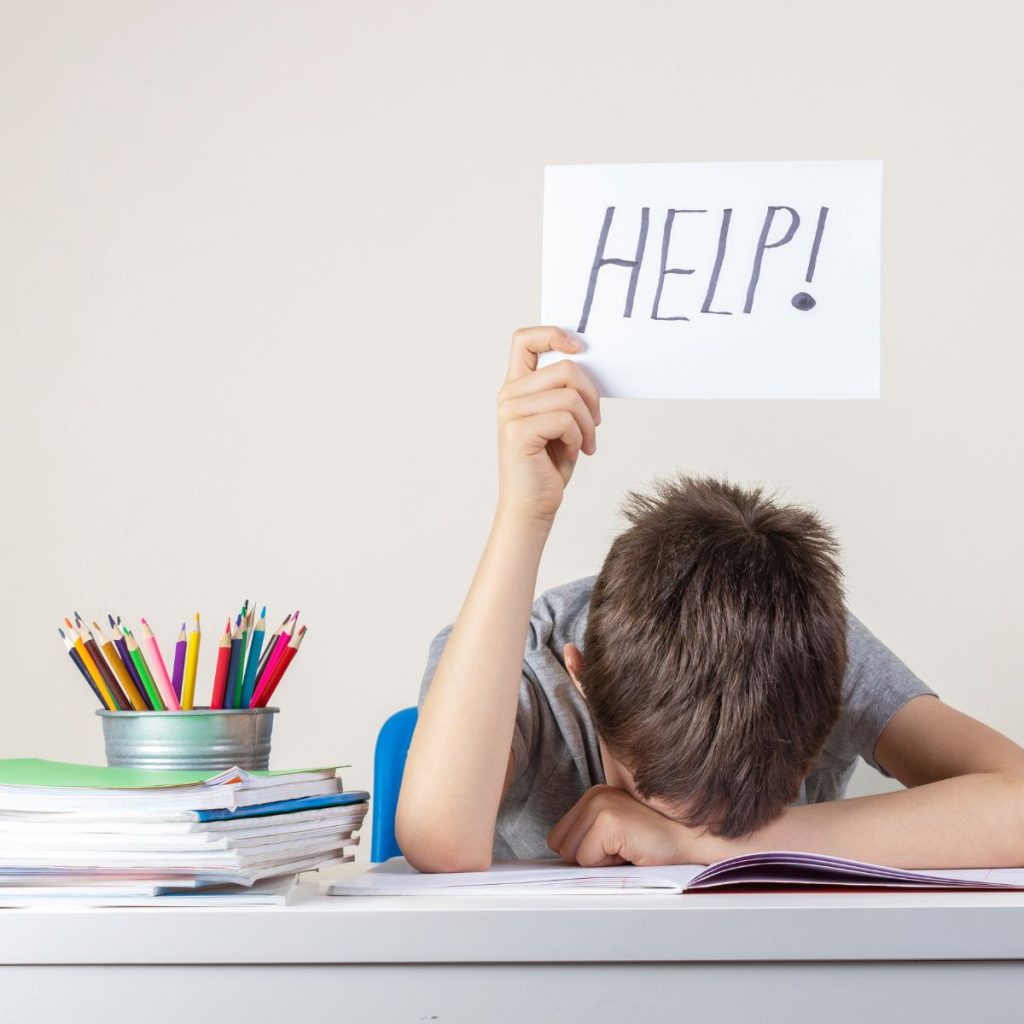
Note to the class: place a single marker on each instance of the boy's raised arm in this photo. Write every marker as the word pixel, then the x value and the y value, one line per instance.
pixel 460 761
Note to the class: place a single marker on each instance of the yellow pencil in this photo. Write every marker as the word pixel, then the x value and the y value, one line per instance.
pixel 90 667
pixel 131 691
pixel 188 692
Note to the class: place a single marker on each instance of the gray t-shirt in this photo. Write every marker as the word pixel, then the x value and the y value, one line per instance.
pixel 557 757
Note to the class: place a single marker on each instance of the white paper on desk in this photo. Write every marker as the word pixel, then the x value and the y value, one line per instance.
pixel 396 877
pixel 753 280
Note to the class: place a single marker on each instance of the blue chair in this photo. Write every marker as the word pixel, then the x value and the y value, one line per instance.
pixel 388 765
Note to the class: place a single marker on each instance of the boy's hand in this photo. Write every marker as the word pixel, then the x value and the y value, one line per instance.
pixel 607 827
pixel 545 419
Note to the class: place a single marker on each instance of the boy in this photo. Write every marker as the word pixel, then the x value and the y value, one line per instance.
pixel 706 696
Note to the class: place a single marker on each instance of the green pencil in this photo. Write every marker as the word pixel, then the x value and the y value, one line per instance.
pixel 143 669
pixel 236 683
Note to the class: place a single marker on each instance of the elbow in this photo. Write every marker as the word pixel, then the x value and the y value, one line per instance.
pixel 1015 785
pixel 427 850
pixel 442 861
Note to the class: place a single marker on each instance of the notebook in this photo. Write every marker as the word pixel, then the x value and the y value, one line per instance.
pixel 776 870
pixel 36 785
pixel 269 892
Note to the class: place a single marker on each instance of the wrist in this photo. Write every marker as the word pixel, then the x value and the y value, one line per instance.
pixel 529 526
pixel 773 836
pixel 703 847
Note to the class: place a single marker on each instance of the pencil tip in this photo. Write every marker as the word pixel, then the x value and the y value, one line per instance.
pixel 61 631
pixel 263 612
pixel 67 622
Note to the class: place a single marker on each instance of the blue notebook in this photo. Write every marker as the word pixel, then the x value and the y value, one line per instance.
pixel 309 803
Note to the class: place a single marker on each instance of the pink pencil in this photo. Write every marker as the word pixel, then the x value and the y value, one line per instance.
pixel 279 648
pixel 158 668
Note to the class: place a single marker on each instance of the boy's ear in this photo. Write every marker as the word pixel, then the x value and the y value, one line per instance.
pixel 574 663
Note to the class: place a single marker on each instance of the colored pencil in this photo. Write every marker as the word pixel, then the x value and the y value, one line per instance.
pixel 155 661
pixel 268 649
pixel 236 682
pixel 178 672
pixel 188 693
pixel 80 665
pixel 260 701
pixel 101 664
pixel 90 666
pixel 220 675
pixel 287 632
pixel 252 661
pixel 104 669
pixel 143 669
pixel 122 649
pixel 231 697
pixel 124 677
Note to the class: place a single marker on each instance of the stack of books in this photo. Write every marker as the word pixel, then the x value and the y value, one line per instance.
pixel 121 836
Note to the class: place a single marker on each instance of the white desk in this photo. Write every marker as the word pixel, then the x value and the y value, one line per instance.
pixel 751 958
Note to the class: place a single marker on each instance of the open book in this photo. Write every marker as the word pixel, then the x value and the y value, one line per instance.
pixel 757 871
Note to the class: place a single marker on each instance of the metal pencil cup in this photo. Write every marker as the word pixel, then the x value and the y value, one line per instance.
pixel 199 740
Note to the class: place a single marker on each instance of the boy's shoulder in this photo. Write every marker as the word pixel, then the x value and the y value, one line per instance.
pixel 560 613
pixel 559 616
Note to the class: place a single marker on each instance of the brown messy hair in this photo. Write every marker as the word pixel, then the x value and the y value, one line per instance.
pixel 715 650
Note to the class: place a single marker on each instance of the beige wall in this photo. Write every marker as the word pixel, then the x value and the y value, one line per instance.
pixel 259 263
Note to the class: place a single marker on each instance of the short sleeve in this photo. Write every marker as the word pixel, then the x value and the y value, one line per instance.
pixel 876 686
pixel 527 729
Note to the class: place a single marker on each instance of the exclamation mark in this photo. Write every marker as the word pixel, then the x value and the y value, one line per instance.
pixel 802 300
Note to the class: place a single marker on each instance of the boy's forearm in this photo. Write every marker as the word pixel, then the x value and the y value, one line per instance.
pixel 969 821
pixel 456 768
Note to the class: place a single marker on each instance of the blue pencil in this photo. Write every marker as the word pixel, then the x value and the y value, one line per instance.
pixel 80 665
pixel 249 679
pixel 231 701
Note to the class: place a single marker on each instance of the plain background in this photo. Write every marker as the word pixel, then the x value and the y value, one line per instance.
pixel 260 262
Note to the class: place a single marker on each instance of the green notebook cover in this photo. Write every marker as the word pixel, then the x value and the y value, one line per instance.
pixel 32 771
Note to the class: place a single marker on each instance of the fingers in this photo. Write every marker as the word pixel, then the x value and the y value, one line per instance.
pixel 558 400
pixel 536 431
pixel 529 342
pixel 599 848
pixel 593 839
pixel 582 825
pixel 563 374
pixel 557 835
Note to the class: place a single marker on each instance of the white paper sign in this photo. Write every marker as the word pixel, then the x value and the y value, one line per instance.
pixel 731 280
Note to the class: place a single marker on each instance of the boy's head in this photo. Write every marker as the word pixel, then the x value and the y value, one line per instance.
pixel 715 650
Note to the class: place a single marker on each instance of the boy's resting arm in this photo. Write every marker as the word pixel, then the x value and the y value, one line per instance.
pixel 459 763
pixel 964 808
